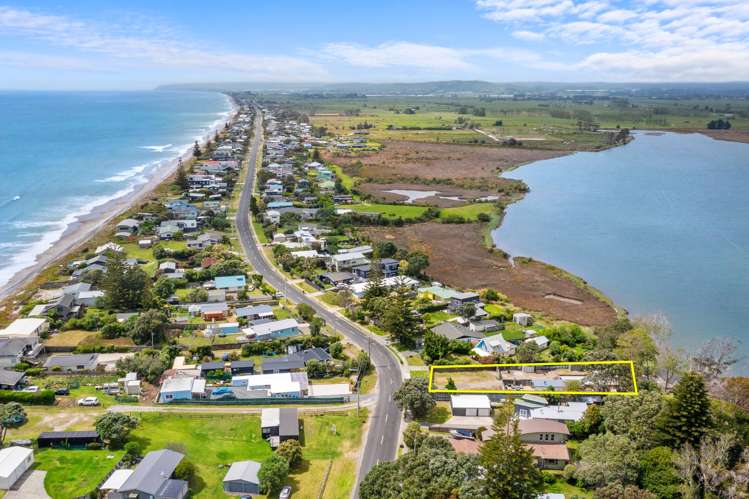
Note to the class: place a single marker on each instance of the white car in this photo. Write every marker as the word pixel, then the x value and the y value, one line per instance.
pixel 89 401
pixel 285 492
pixel 31 389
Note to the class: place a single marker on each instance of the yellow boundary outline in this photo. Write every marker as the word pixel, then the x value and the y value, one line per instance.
pixel 534 392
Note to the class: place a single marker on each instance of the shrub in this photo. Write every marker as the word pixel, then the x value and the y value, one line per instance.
pixel 94 446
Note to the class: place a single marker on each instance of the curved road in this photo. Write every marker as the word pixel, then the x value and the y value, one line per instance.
pixel 385 419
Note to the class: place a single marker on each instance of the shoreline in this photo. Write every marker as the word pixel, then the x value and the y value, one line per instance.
pixel 87 225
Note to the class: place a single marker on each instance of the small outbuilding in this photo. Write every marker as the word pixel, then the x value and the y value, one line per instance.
pixel 14 461
pixel 242 478
pixel 470 405
pixel 67 438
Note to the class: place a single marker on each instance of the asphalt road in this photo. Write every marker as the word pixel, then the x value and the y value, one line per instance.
pixel 385 419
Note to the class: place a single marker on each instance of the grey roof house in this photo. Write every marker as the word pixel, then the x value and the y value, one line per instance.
pixel 74 362
pixel 454 331
pixel 151 479
pixel 242 478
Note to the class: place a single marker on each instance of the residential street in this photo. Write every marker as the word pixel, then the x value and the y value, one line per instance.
pixel 385 419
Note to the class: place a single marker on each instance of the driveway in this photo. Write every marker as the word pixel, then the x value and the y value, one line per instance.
pixel 29 486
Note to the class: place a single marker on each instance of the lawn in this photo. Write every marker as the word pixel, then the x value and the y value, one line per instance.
pixel 71 338
pixel 415 360
pixel 347 181
pixel 469 211
pixel 510 335
pixel 212 442
pixel 260 233
pixel 72 473
pixel 404 211
pixel 431 319
pixel 496 310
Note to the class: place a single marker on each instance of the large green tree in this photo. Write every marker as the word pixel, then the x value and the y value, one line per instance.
pixel 114 427
pixel 413 396
pixel 150 327
pixel 126 287
pixel 607 458
pixel 510 469
pixel 634 416
pixel 399 319
pixel 273 473
pixel 686 417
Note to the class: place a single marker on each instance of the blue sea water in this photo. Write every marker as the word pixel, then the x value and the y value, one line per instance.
pixel 64 153
pixel 660 225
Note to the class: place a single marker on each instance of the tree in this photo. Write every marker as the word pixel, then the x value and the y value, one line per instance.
pixel 633 416
pixel 385 249
pixel 510 468
pixel 148 363
pixel 273 473
pixel 305 311
pixel 607 458
pixel 150 327
pixel 197 295
pixel 316 325
pixel 413 396
pixel 451 384
pixel 716 468
pixel 114 427
pixel 637 345
pixel 12 415
pixel 413 435
pixel 527 351
pixel 335 349
pixel 126 287
pixel 164 287
pixel 686 418
pixel 185 470
pixel 435 346
pixel 399 319
pixel 591 423
pixel 417 264
pixel 291 450
pixel 316 369
pixel 382 481
pixel 659 474
pixel 735 390
pixel 181 179
pixel 196 150
pixel 616 490
pixel 715 357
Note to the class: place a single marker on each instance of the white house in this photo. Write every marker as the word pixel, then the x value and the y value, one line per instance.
pixel 359 288
pixel 522 318
pixel 344 261
pixel 570 411
pixel 282 385
pixel 494 345
pixel 541 341
pixel 470 405
pixel 14 461
pixel 24 328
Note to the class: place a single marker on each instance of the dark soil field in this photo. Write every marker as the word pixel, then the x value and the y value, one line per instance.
pixel 408 161
pixel 459 258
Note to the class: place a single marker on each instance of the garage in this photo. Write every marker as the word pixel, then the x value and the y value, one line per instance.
pixel 470 405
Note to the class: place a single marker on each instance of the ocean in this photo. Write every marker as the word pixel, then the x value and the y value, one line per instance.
pixel 62 154
pixel 660 225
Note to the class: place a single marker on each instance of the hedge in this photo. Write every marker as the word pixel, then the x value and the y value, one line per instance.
pixel 42 397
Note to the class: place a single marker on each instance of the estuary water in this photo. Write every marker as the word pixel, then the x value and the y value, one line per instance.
pixel 63 154
pixel 660 225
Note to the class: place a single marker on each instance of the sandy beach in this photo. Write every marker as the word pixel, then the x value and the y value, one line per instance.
pixel 86 226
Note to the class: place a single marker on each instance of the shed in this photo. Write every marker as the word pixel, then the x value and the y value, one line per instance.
pixel 11 380
pixel 67 438
pixel 242 367
pixel 470 405
pixel 282 423
pixel 242 478
pixel 14 461
pixel 207 367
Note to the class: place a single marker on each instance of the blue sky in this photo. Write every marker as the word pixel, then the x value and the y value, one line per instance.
pixel 140 44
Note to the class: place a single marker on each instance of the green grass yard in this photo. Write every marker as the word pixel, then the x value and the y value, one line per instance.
pixel 72 472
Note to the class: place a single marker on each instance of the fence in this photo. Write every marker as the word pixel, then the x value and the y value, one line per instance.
pixel 262 401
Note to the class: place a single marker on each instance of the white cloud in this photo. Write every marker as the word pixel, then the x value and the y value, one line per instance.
pixel 406 54
pixel 120 45
pixel 528 36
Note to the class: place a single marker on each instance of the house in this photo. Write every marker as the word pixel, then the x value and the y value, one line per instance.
pixel 309 354
pixel 14 461
pixel 168 267
pixel 11 380
pixel 337 278
pixel 273 216
pixel 279 425
pixel 152 478
pixel 89 298
pixel 181 388
pixel 470 405
pixel 67 439
pixel 454 331
pixel 438 293
pixel 216 296
pixel 458 300
pixel 169 228
pixel 13 350
pixel 25 328
pixel 484 326
pixel 211 367
pixel 522 318
pixel 525 404
pixel 283 328
pixel 182 209
pixel 242 367
pixel 388 266
pixel 204 241
pixel 209 311
pixel 256 312
pixel 282 365
pixel 278 385
pixel 145 243
pixel 541 341
pixel 114 247
pixel 128 225
pixel 359 288
pixel 242 478
pixel 345 261
pixel 569 411
pixel 231 283
pixel 72 362
pixel 494 345
pixel 274 205
pixel 546 439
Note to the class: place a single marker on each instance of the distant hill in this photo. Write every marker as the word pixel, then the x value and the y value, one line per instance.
pixel 476 87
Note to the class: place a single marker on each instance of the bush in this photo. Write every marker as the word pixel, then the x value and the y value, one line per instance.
pixel 185 470
pixel 291 450
pixel 42 397
pixel 94 446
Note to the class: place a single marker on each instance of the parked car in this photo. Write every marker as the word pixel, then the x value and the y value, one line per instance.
pixel 31 389
pixel 285 492
pixel 89 401
pixel 460 434
pixel 62 391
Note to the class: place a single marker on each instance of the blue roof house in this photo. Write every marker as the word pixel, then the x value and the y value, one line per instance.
pixel 231 282
pixel 274 205
pixel 284 328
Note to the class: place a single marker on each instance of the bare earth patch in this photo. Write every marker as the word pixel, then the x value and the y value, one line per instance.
pixel 458 257
pixel 409 160
pixel 447 196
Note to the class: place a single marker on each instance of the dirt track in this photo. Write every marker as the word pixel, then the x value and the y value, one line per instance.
pixel 458 257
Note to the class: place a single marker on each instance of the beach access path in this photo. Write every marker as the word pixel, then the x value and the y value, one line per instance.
pixel 386 419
